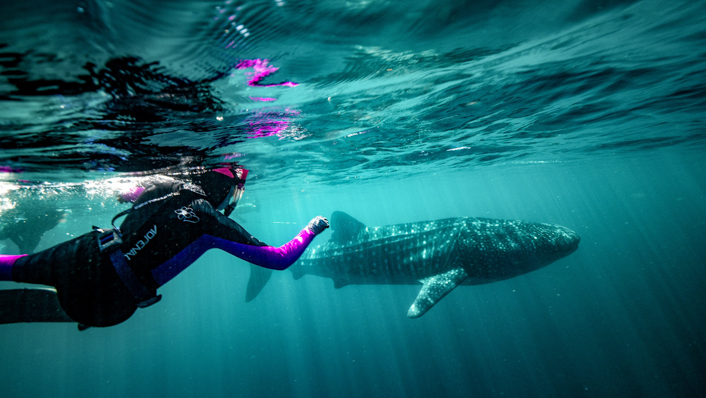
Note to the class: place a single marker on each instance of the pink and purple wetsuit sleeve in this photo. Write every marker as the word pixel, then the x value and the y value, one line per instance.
pixel 278 258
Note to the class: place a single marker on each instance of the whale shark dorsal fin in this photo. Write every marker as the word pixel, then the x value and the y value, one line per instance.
pixel 434 289
pixel 344 227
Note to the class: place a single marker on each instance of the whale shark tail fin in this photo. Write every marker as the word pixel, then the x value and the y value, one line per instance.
pixel 434 289
pixel 344 227
pixel 258 279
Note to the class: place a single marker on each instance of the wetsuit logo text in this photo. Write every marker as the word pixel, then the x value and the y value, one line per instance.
pixel 142 242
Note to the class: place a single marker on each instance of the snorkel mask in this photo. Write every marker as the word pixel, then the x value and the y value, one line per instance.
pixel 240 175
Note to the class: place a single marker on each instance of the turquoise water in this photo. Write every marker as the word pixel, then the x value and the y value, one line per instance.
pixel 584 114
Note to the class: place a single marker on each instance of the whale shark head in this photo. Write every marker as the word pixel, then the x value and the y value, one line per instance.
pixel 568 239
pixel 556 242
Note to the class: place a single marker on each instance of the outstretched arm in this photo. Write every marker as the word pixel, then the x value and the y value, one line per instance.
pixel 278 258
pixel 225 234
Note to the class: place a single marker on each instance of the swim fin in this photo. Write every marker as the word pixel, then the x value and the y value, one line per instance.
pixel 31 305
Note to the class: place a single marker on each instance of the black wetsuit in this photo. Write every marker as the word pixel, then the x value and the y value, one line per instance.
pixel 154 235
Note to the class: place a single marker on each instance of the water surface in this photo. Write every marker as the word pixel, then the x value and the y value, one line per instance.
pixel 588 114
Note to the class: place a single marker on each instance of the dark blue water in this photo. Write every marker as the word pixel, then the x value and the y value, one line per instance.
pixel 584 114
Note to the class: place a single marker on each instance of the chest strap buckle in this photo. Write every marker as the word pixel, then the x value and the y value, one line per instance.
pixel 108 239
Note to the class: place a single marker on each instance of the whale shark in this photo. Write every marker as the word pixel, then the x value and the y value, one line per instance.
pixel 439 254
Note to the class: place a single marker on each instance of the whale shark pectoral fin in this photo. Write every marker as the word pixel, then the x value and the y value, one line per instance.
pixel 344 227
pixel 258 279
pixel 434 289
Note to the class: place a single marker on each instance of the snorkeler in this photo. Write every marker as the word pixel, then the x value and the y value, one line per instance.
pixel 102 277
pixel 25 224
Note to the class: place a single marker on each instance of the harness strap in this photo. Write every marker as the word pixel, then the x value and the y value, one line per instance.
pixel 139 291
pixel 110 241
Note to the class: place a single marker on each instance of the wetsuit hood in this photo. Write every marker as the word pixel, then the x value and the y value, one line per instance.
pixel 216 186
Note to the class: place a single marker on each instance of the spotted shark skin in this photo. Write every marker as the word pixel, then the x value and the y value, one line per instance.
pixel 439 254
